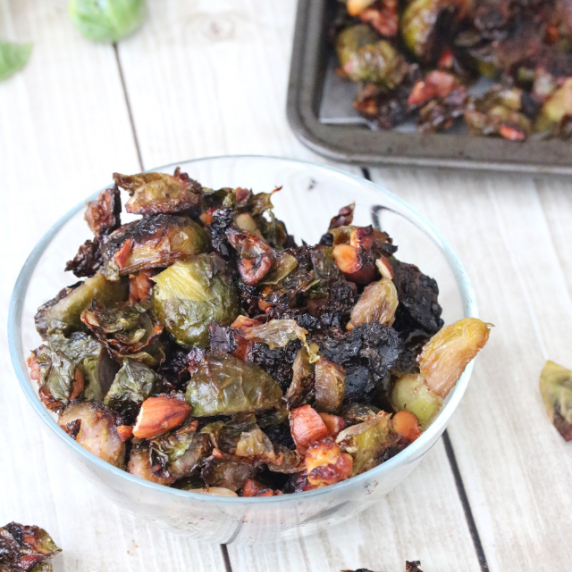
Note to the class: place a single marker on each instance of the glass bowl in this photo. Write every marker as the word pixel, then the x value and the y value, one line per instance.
pixel 311 195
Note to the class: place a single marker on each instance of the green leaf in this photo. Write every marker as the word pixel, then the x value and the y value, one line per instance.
pixel 13 57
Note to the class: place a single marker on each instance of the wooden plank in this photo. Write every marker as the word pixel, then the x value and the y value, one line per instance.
pixel 515 467
pixel 64 129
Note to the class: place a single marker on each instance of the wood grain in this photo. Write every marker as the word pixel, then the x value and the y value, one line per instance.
pixel 515 466
pixel 64 129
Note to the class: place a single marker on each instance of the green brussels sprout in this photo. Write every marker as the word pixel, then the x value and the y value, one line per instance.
pixel 25 547
pixel 93 427
pixel 418 25
pixel 91 358
pixel 179 454
pixel 151 242
pixel 556 391
pixel 365 58
pixel 107 20
pixel 13 57
pixel 189 296
pixel 225 385
pixel 133 384
pixel 159 193
pixel 410 393
pixel 63 313
pixel 126 330
pixel 366 442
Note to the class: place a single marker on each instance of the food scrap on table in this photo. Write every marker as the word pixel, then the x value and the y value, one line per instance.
pixel 207 351
pixel 556 391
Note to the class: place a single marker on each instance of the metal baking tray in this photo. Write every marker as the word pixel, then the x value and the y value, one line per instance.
pixel 319 112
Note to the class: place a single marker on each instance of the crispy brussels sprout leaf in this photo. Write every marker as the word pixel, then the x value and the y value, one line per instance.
pixel 63 313
pixel 329 386
pixel 103 215
pixel 278 333
pixel 556 391
pixel 410 393
pixel 90 357
pixel 107 21
pixel 189 296
pixel 133 384
pixel 300 390
pixel 366 442
pixel 55 373
pixel 151 242
pixel 449 351
pixel 225 385
pixel 180 453
pixel 354 413
pixel 159 193
pixel 13 57
pixel 93 426
pixel 377 303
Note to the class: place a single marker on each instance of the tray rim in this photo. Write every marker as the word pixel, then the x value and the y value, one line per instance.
pixel 352 144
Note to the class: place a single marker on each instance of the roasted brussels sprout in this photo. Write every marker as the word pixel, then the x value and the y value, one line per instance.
pixel 225 385
pixel 63 313
pixel 24 548
pixel 180 453
pixel 227 471
pixel 410 393
pixel 366 58
pixel 556 391
pixel 103 215
pixel 366 442
pixel 303 371
pixel 377 303
pixel 13 57
pixel 133 384
pixel 93 426
pixel 158 193
pixel 189 296
pixel 140 465
pixel 151 242
pixel 329 386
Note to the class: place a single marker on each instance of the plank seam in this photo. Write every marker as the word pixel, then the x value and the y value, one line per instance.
pixel 226 558
pixel 128 104
pixel 465 502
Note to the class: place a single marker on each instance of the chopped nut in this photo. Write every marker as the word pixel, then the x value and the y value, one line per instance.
pixel 334 423
pixel 326 464
pixel 307 427
pixel 406 424
pixel 160 414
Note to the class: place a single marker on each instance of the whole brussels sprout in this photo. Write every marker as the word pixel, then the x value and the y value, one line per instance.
pixel 107 20
pixel 225 385
pixel 191 295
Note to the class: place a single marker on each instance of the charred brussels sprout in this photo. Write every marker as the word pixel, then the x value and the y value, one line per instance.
pixel 151 242
pixel 93 427
pixel 159 193
pixel 140 465
pixel 132 385
pixel 228 472
pixel 63 313
pixel 366 442
pixel 189 296
pixel 225 385
pixel 556 391
pixel 369 59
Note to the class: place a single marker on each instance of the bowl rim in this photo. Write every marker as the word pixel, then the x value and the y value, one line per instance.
pixel 470 309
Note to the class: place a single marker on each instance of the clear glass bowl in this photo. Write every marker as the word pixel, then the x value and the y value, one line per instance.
pixel 311 195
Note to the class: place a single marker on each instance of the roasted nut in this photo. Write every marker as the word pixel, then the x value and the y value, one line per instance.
pixel 307 427
pixel 326 464
pixel 160 414
pixel 334 423
pixel 406 424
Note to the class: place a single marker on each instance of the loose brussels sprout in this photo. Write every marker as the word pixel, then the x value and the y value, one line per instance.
pixel 133 384
pixel 556 391
pixel 91 358
pixel 180 453
pixel 159 193
pixel 63 313
pixel 150 243
pixel 93 426
pixel 25 548
pixel 225 385
pixel 410 393
pixel 365 58
pixel 366 442
pixel 107 20
pixel 127 331
pixel 13 57
pixel 189 296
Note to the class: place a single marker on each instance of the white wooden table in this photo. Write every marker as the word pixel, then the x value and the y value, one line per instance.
pixel 209 77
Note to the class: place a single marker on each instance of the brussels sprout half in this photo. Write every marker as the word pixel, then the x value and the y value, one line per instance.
pixel 189 296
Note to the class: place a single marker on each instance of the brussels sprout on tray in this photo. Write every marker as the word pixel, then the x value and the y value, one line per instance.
pixel 205 350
